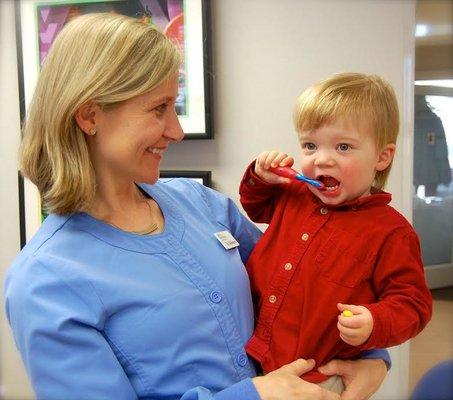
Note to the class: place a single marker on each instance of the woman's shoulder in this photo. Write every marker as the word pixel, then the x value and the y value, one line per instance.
pixel 48 251
pixel 50 226
pixel 54 264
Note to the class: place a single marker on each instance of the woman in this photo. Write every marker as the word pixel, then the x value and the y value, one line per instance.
pixel 125 292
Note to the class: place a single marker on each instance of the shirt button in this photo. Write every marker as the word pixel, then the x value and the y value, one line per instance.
pixel 251 181
pixel 215 296
pixel 272 298
pixel 323 211
pixel 242 359
pixel 305 237
pixel 288 266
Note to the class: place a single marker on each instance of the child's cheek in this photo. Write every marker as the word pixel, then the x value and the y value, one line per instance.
pixel 349 171
pixel 307 169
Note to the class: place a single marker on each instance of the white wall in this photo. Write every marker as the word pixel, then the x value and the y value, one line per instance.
pixel 265 52
pixel 13 382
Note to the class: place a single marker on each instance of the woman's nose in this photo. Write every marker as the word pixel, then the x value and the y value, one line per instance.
pixel 174 130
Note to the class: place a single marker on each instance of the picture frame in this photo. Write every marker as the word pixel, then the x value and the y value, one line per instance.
pixel 187 22
pixel 203 177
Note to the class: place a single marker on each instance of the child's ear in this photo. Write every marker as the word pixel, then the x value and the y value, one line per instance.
pixel 385 157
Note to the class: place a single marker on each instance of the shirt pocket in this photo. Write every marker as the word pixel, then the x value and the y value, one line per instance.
pixel 344 259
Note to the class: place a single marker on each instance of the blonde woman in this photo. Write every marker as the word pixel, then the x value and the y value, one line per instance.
pixel 125 292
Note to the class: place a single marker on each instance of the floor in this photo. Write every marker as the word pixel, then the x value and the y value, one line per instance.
pixel 435 343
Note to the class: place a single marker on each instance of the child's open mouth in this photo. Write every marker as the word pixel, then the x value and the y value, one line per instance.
pixel 330 183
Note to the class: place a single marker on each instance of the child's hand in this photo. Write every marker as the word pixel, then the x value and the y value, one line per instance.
pixel 269 159
pixel 356 329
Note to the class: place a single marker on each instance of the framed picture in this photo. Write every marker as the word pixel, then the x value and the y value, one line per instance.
pixel 186 22
pixel 203 177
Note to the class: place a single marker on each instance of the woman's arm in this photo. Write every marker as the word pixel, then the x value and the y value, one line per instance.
pixel 58 331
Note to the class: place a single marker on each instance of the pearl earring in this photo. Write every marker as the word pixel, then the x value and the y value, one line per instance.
pixel 92 132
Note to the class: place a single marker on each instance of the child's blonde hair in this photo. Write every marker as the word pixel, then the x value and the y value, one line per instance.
pixel 99 58
pixel 364 98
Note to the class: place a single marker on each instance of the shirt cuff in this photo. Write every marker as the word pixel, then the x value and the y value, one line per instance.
pixel 383 354
pixel 243 390
pixel 252 179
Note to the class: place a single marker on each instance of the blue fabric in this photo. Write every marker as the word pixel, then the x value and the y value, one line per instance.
pixel 378 353
pixel 98 313
pixel 436 384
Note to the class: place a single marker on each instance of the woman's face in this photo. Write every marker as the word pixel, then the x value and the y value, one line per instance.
pixel 132 136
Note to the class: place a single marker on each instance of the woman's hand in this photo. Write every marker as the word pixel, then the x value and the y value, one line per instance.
pixel 269 159
pixel 285 384
pixel 361 378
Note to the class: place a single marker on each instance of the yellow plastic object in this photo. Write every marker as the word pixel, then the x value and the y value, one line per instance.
pixel 347 313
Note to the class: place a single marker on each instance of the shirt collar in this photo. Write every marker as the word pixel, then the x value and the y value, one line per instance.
pixel 375 198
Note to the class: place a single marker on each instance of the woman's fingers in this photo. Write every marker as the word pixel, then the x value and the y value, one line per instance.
pixel 298 367
pixel 285 384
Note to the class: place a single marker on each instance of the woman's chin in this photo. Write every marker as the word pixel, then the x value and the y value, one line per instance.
pixel 149 179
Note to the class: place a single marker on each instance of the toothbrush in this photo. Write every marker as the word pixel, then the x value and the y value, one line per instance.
pixel 288 172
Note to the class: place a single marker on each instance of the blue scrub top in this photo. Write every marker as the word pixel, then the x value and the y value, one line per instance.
pixel 99 313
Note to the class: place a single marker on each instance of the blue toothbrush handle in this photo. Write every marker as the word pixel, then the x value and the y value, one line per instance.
pixel 313 182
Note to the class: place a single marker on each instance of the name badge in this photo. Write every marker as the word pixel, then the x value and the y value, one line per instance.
pixel 227 239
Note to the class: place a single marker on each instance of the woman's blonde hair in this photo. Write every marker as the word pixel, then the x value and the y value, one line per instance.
pixel 367 99
pixel 99 58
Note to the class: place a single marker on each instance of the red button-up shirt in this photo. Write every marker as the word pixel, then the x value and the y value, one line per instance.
pixel 313 256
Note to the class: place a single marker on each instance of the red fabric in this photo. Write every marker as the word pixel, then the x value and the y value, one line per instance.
pixel 363 252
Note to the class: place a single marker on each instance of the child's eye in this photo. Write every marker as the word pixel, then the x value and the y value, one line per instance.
pixel 309 146
pixel 343 147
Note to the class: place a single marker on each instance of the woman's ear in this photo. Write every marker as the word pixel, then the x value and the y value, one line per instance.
pixel 385 157
pixel 86 118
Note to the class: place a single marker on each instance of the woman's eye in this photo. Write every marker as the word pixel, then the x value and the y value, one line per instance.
pixel 161 108
pixel 309 146
pixel 343 147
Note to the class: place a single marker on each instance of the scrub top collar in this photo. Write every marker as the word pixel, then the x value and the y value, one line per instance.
pixel 173 226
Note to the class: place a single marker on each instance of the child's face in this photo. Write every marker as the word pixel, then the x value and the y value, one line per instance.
pixel 344 156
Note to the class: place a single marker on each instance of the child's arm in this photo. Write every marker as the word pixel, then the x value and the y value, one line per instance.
pixel 259 186
pixel 405 303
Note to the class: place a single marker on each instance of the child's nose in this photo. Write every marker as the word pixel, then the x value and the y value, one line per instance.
pixel 324 158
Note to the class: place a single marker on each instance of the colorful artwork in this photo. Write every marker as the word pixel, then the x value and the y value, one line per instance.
pixel 165 15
